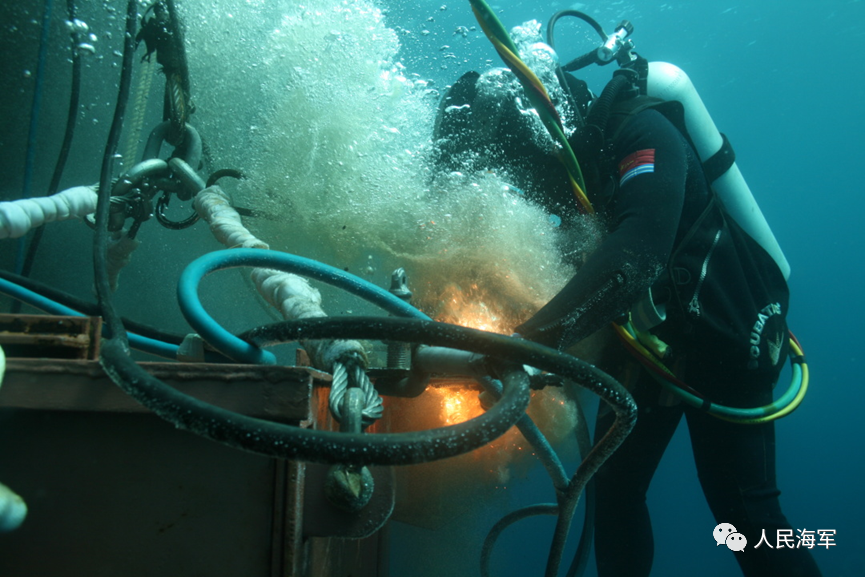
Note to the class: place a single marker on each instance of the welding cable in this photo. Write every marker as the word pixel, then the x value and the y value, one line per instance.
pixel 584 548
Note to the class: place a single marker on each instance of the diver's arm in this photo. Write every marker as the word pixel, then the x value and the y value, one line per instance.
pixel 645 219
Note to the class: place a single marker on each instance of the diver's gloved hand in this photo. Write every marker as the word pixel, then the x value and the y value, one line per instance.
pixel 582 307
pixel 549 332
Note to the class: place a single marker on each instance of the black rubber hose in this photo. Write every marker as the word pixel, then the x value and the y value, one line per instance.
pixel 223 172
pixel 579 482
pixel 517 351
pixel 35 108
pixel 288 442
pixel 599 115
pixel 581 62
pixel 101 237
pixel 507 521
pixel 88 308
pixel 581 557
pixel 551 25
pixel 584 549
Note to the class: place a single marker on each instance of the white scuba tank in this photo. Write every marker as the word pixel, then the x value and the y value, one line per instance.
pixel 669 82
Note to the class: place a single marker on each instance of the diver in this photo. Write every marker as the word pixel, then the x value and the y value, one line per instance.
pixel 717 301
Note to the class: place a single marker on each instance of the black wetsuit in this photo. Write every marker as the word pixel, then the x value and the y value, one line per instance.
pixel 651 214
pixel 726 305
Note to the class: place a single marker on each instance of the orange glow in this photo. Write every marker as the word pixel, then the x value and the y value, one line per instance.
pixel 471 309
pixel 458 404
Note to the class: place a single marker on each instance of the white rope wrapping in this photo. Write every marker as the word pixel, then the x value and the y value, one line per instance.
pixel 290 294
pixel 296 299
pixel 18 217
pixel 214 206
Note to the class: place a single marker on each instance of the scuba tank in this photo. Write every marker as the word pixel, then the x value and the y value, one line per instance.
pixel 669 83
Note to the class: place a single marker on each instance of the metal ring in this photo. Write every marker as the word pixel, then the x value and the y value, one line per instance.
pixel 162 204
pixel 132 178
pixel 191 183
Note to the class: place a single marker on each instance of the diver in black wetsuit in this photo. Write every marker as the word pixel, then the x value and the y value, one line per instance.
pixel 668 233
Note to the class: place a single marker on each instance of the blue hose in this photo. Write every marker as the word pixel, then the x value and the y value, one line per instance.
pixel 235 347
pixel 536 439
pixel 145 344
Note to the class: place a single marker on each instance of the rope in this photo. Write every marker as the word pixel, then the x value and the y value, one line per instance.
pixel 352 373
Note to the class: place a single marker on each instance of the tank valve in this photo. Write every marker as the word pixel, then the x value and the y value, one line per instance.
pixel 615 42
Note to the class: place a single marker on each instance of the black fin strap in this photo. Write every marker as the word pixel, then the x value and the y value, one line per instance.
pixel 720 162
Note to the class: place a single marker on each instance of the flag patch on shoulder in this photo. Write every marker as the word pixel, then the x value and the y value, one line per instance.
pixel 640 162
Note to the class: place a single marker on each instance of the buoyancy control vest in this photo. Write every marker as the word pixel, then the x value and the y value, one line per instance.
pixel 722 291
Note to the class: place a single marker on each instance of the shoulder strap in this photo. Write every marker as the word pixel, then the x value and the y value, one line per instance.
pixel 623 112
pixel 674 111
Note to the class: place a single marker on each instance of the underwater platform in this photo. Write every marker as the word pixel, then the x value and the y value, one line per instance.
pixel 112 489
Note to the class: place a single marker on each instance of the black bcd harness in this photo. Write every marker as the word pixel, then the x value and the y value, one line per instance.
pixel 721 291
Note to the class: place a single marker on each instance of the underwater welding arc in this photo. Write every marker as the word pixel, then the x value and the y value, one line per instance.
pixel 516 351
pixel 288 442
pixel 451 361
pixel 422 331
pixel 438 360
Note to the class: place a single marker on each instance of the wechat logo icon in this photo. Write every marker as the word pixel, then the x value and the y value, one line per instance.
pixel 726 534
